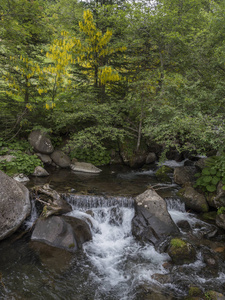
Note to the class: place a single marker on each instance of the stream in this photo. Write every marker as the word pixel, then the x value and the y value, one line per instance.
pixel 113 265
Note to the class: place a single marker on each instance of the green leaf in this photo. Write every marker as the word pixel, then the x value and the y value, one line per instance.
pixel 207 178
pixel 206 171
pixel 211 188
pixel 215 180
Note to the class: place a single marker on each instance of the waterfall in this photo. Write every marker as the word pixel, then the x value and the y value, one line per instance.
pixel 120 263
pixel 83 202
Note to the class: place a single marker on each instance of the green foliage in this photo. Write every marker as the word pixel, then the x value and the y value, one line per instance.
pixel 22 163
pixel 221 210
pixel 95 156
pixel 212 174
pixel 173 84
pixel 16 145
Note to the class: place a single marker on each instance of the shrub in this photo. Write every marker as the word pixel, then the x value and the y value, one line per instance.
pixel 212 174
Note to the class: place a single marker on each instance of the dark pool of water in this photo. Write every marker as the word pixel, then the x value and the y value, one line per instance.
pixel 113 180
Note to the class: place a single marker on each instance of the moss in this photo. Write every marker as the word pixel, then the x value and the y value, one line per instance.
pixel 209 216
pixel 205 207
pixel 72 245
pixel 195 291
pixel 180 193
pixel 181 252
pixel 177 243
pixel 162 174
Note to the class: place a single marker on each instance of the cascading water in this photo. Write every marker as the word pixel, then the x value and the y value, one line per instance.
pixel 120 264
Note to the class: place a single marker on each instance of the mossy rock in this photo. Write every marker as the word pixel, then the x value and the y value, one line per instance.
pixel 162 174
pixel 212 295
pixel 181 252
pixel 209 216
pixel 195 291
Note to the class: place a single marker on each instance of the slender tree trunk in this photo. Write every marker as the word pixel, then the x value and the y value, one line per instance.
pixel 140 125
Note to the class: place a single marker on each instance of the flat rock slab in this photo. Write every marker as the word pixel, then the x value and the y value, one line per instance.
pixel 84 167
pixel 14 205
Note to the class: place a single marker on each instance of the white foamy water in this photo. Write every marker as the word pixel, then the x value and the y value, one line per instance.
pixel 176 209
pixel 33 216
pixel 120 263
pixel 173 163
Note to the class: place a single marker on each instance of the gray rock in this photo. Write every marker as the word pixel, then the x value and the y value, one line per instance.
pixel 219 199
pixel 200 164
pixel 40 172
pixel 7 158
pixel 220 221
pixel 21 178
pixel 151 157
pixel 46 159
pixel 61 159
pixel 62 232
pixel 193 199
pixel 183 175
pixel 40 142
pixel 152 222
pixel 14 205
pixel 84 167
pixel 138 160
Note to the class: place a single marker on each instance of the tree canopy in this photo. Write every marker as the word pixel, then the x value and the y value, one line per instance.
pixel 99 73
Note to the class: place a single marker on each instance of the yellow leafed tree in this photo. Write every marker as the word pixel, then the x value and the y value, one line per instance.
pixel 91 52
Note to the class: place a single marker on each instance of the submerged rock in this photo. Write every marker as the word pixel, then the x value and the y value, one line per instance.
pixel 84 167
pixel 152 222
pixel 62 232
pixel 14 205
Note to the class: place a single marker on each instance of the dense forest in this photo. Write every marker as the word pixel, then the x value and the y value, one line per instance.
pixel 102 75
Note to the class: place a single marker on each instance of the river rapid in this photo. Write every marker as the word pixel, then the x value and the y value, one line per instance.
pixel 113 265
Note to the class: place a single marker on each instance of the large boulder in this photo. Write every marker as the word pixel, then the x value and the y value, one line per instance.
pixel 61 159
pixel 14 205
pixel 138 160
pixel 183 175
pixel 84 167
pixel 152 222
pixel 40 142
pixel 193 199
pixel 62 232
